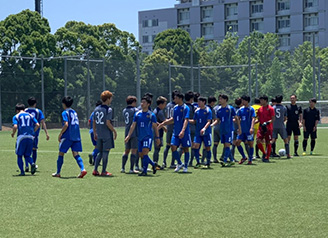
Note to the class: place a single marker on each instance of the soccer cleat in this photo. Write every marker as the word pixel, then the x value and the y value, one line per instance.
pixel 304 153
pixel 250 163
pixel 36 166
pixel 90 159
pixel 274 156
pixel 295 154
pixel 142 174
pixel 197 166
pixel 164 165
pixel 149 170
pixel 173 166
pixel 33 169
pixel 311 153
pixel 216 161
pixel 207 166
pixel 122 171
pixel 242 160
pixel 82 174
pixel 258 157
pixel 137 168
pixel 180 166
pixel 231 163
pixel 21 174
pixel 289 157
pixel 133 172
pixel 185 170
pixel 95 173
pixel 154 168
pixel 106 174
pixel 26 169
pixel 55 175
pixel 265 160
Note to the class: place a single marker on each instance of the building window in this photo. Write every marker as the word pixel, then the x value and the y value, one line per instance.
pixel 309 37
pixel 231 10
pixel 283 5
pixel 283 22
pixel 232 26
pixel 311 20
pixel 150 23
pixel 183 16
pixel 257 25
pixel 153 38
pixel 208 30
pixel 310 3
pixel 284 40
pixel 207 13
pixel 256 7
pixel 145 39
pixel 185 27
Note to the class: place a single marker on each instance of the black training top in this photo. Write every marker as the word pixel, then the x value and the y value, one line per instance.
pixel 311 116
pixel 293 114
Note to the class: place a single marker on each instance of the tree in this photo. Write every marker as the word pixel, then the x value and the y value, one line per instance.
pixel 274 85
pixel 305 91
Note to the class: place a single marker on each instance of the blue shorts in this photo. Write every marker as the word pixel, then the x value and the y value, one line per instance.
pixel 245 137
pixel 145 143
pixel 65 144
pixel 227 138
pixel 185 141
pixel 24 145
pixel 207 139
pixel 93 139
pixel 35 142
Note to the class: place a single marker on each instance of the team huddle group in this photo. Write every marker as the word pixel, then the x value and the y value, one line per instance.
pixel 189 120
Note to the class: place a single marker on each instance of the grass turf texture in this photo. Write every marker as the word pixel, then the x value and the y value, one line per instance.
pixel 286 198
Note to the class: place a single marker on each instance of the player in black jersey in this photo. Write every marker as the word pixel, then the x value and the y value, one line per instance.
pixel 294 121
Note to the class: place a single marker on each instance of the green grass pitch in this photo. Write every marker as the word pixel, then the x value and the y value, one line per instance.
pixel 286 198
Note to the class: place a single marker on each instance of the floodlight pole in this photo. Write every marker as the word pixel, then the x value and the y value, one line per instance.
pixel 104 79
pixel 249 69
pixel 88 85
pixel 191 67
pixel 199 78
pixel 313 62
pixel 319 79
pixel 257 82
pixel 170 83
pixel 42 85
pixel 138 78
pixel 65 77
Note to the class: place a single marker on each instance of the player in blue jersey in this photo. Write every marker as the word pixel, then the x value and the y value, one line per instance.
pixel 26 125
pixel 203 133
pixel 93 155
pixel 224 117
pixel 145 122
pixel 69 137
pixel 246 116
pixel 38 115
pixel 181 132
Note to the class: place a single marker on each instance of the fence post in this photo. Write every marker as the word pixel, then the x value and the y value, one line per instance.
pixel 191 67
pixel 249 69
pixel 257 82
pixel 42 85
pixel 313 66
pixel 65 76
pixel 199 78
pixel 138 78
pixel 319 80
pixel 104 79
pixel 170 83
pixel 88 86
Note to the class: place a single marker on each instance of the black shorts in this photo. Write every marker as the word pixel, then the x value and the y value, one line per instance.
pixel 293 128
pixel 310 132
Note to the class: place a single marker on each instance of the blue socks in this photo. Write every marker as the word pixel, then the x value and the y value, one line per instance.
pixel 196 153
pixel 208 156
pixel 20 163
pixel 251 153
pixel 79 162
pixel 176 156
pixel 94 154
pixel 227 154
pixel 241 151
pixel 187 157
pixel 34 156
pixel 145 162
pixel 60 162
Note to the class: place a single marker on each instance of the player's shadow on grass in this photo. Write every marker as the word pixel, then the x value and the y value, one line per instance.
pixel 22 176
pixel 70 177
pixel 189 172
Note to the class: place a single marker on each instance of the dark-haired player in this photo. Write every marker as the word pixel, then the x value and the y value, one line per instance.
pixel 93 156
pixel 216 136
pixel 181 132
pixel 38 115
pixel 145 122
pixel 189 100
pixel 264 134
pixel 311 118
pixel 294 121
pixel 69 137
pixel 256 106
pixel 132 144
pixel 104 132
pixel 279 128
pixel 273 145
pixel 26 125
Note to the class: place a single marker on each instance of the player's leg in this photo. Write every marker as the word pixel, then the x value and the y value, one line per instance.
pixel 108 144
pixel 273 143
pixel 20 148
pixel 216 140
pixel 76 148
pixel 195 148
pixel 250 140
pixel 268 139
pixel 100 148
pixel 187 157
pixel 305 140
pixel 133 158
pixel 125 155
pixel 313 140
pixel 241 138
pixel 175 143
pixel 28 152
pixel 297 133
pixel 93 155
pixel 157 150
pixel 64 145
pixel 284 136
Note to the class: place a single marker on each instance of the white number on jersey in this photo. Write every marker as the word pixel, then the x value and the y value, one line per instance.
pixel 278 114
pixel 142 124
pixel 25 120
pixel 75 119
pixel 126 117
pixel 99 117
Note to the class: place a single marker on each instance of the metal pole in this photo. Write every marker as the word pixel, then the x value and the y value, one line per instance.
pixel 199 78
pixel 319 79
pixel 138 78
pixel 249 68
pixel 65 76
pixel 313 66
pixel 88 86
pixel 170 82
pixel 191 67
pixel 257 82
pixel 104 79
pixel 42 86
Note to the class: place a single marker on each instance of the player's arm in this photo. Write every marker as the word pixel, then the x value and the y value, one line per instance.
pixel 95 135
pixel 36 127
pixel 192 121
pixel 157 138
pixel 14 130
pixel 185 124
pixel 237 119
pixel 64 128
pixel 111 127
pixel 251 131
pixel 44 127
pixel 317 121
pixel 300 122
pixel 133 126
pixel 166 122
pixel 216 121
pixel 207 125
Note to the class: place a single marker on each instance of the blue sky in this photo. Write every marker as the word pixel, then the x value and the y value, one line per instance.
pixel 123 13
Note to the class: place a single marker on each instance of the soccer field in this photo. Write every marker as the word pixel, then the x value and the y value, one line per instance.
pixel 285 198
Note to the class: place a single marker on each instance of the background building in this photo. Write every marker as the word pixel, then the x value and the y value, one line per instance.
pixel 295 21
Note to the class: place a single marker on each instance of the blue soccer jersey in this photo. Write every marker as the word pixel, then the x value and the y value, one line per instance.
pixel 180 113
pixel 144 122
pixel 226 115
pixel 201 117
pixel 246 115
pixel 91 122
pixel 25 124
pixel 38 115
pixel 73 131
